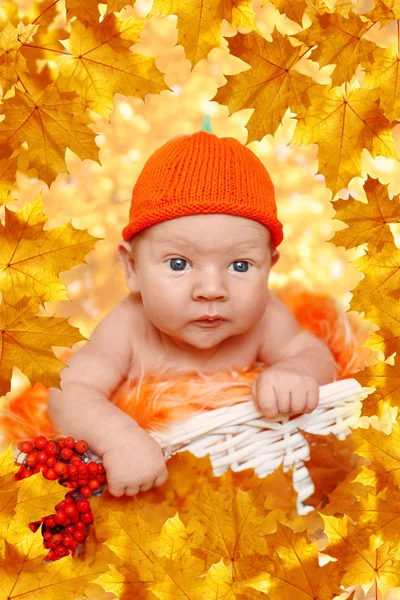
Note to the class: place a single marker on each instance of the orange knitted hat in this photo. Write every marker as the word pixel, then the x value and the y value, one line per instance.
pixel 202 173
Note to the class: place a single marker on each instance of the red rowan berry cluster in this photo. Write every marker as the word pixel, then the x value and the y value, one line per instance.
pixel 69 462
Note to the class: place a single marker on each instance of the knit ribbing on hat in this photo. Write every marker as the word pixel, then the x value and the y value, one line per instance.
pixel 202 174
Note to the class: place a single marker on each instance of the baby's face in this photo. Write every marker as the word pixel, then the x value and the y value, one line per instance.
pixel 196 265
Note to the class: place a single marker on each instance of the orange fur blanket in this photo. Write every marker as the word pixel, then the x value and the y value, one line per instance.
pixel 155 401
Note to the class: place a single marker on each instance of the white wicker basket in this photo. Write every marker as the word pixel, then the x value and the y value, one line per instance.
pixel 240 437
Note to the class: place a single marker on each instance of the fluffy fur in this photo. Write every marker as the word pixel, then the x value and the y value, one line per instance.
pixel 157 400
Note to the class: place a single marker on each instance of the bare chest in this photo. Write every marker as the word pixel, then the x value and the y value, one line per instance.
pixel 150 354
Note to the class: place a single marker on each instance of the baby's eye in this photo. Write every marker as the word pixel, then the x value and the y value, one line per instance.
pixel 179 263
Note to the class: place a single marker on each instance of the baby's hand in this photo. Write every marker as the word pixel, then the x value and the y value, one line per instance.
pixel 134 463
pixel 280 391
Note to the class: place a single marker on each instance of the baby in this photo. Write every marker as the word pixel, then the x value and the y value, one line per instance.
pixel 201 240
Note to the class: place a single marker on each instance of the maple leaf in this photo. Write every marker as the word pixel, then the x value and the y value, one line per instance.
pixel 8 172
pixel 32 258
pixel 363 555
pixel 26 342
pixel 367 222
pixel 383 452
pixel 343 123
pixel 384 12
pixel 11 59
pixel 131 539
pixel 290 570
pixel 293 9
pixel 199 22
pixel 23 574
pixel 331 460
pixel 386 379
pixel 45 45
pixel 382 274
pixel 100 64
pixel 338 40
pixel 344 495
pixel 270 86
pixel 384 74
pixel 381 511
pixel 48 124
pixel 8 490
pixel 385 313
pixel 234 527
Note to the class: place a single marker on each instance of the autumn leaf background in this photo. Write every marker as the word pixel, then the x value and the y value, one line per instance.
pixel 89 91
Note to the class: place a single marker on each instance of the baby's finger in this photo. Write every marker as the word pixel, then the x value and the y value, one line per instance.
pixel 268 401
pixel 284 402
pixel 161 479
pixel 312 399
pixel 146 486
pixel 116 491
pixel 299 401
pixel 132 490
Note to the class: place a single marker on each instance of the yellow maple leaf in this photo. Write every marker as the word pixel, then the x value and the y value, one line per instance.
pixel 384 74
pixel 382 274
pixel 338 40
pixel 293 9
pixel 8 173
pixel 218 583
pixel 99 63
pixel 140 568
pixel 26 342
pixel 11 58
pixel 270 86
pixel 384 11
pixel 32 258
pixel 380 511
pixel 48 122
pixel 386 379
pixel 130 538
pixel 86 11
pixel 343 123
pixel 290 570
pixel 367 222
pixel 384 311
pixel 365 557
pixel 234 527
pixel 172 540
pixel 24 575
pixel 383 451
pixel 199 22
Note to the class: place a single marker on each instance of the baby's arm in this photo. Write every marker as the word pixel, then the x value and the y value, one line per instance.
pixel 83 409
pixel 299 363
pixel 285 344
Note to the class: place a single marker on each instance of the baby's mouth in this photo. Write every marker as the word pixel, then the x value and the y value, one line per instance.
pixel 210 322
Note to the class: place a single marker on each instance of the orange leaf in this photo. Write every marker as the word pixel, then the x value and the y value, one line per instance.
pixel 331 460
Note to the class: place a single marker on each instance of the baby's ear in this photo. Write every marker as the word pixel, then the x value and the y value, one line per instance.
pixel 124 254
pixel 275 254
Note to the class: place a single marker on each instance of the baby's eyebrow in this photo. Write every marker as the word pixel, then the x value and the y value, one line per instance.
pixel 243 246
